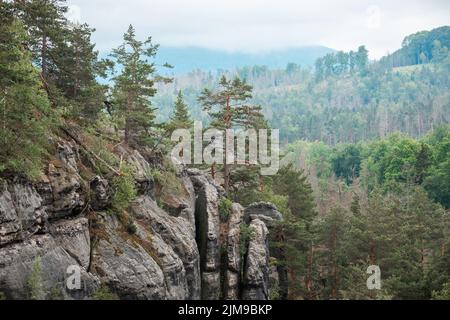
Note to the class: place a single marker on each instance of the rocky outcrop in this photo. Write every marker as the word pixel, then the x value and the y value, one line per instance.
pixel 67 247
pixel 264 211
pixel 261 218
pixel 184 251
pixel 141 170
pixel 101 193
pixel 22 213
pixel 30 231
pixel 182 203
pixel 207 230
pixel 256 270
pixel 233 270
pixel 124 263
pixel 176 233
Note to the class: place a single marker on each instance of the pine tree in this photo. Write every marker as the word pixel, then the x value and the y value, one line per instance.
pixel 180 118
pixel 333 228
pixel 24 107
pixel 79 67
pixel 44 20
pixel 295 235
pixel 362 59
pixel 294 184
pixel 229 109
pixel 134 86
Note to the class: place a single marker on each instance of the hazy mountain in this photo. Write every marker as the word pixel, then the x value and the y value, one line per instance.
pixel 185 59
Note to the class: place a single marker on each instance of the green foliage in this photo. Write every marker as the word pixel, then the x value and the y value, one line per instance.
pixel 344 108
pixel 104 293
pixel 437 179
pixel 24 108
pixel 166 181
pixel 77 74
pixel 56 293
pixel 131 227
pixel 2 296
pixel 293 184
pixel 274 293
pixel 229 107
pixel 124 191
pixel 444 294
pixel 335 64
pixel 133 88
pixel 34 282
pixel 180 118
pixel 45 22
pixel 246 234
pixel 386 217
pixel 225 205
pixel 421 47
pixel 383 205
pixel 346 162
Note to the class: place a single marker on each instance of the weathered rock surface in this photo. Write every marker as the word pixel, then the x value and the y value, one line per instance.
pixel 21 212
pixel 256 285
pixel 73 236
pixel 208 228
pixel 122 262
pixel 68 247
pixel 232 273
pixel 256 272
pixel 266 212
pixel 142 170
pixel 101 193
pixel 182 202
pixel 182 252
pixel 176 232
pixel 64 182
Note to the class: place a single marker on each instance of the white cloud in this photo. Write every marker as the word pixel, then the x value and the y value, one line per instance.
pixel 258 25
pixel 73 13
pixel 373 17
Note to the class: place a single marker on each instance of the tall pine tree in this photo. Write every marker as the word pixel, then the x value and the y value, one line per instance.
pixel 229 108
pixel 79 66
pixel 24 107
pixel 44 20
pixel 134 87
pixel 180 118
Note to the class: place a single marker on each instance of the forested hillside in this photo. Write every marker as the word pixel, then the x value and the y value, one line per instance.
pixel 345 98
pixel 371 141
pixel 87 175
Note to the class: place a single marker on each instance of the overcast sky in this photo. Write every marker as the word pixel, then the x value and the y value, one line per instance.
pixel 263 25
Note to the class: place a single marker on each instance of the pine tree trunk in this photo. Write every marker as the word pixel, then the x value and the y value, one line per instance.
pixel 44 56
pixel 77 78
pixel 127 120
pixel 226 169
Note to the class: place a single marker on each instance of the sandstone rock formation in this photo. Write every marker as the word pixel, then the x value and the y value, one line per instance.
pixel 183 251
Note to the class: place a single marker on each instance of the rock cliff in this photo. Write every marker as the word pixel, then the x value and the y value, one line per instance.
pixel 176 248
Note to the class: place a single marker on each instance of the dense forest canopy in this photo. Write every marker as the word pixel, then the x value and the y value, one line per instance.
pixel 420 48
pixel 367 182
pixel 345 98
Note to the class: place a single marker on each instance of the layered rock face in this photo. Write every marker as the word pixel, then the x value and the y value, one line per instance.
pixel 61 223
pixel 43 223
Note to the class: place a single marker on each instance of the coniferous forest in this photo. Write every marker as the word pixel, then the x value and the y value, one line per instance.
pixel 364 181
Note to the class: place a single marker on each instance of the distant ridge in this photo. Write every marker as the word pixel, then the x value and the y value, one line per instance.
pixel 186 59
